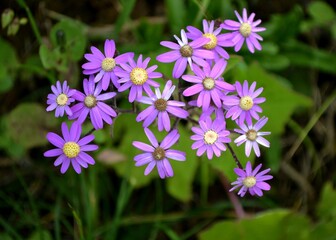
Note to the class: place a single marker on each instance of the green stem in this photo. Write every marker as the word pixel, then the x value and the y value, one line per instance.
pixel 33 24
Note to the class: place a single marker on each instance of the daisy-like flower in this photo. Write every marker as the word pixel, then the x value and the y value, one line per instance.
pixel 210 137
pixel 251 136
pixel 208 84
pixel 104 64
pixel 60 99
pixel 245 105
pixel 137 76
pixel 245 29
pixel 158 154
pixel 70 148
pixel 160 107
pixel 217 40
pixel 184 53
pixel 252 181
pixel 212 110
pixel 91 103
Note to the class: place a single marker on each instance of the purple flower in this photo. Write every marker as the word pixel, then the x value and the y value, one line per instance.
pixel 245 105
pixel 60 99
pixel 158 154
pixel 218 112
pixel 160 107
pixel 252 181
pixel 70 148
pixel 217 40
pixel 210 137
pixel 91 103
pixel 251 136
pixel 138 77
pixel 104 65
pixel 184 53
pixel 208 85
pixel 245 29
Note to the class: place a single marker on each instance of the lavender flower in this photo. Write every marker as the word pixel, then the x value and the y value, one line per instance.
pixel 217 40
pixel 245 29
pixel 70 148
pixel 158 154
pixel 161 107
pixel 251 136
pixel 60 99
pixel 208 84
pixel 184 53
pixel 245 105
pixel 138 77
pixel 251 181
pixel 91 103
pixel 104 65
pixel 210 137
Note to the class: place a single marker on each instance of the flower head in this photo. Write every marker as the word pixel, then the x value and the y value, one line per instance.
pixel 251 181
pixel 157 154
pixel 245 105
pixel 70 148
pixel 60 99
pixel 160 107
pixel 90 102
pixel 104 64
pixel 184 53
pixel 137 77
pixel 245 29
pixel 217 40
pixel 210 137
pixel 251 136
pixel 208 84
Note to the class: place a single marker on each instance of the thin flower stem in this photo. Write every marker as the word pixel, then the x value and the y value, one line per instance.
pixel 234 156
pixel 193 120
pixel 233 198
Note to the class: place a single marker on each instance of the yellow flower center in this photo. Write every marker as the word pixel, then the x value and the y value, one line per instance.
pixel 62 99
pixel 186 51
pixel 108 64
pixel 138 76
pixel 159 153
pixel 210 137
pixel 90 101
pixel 160 104
pixel 208 83
pixel 249 181
pixel 246 103
pixel 213 41
pixel 245 29
pixel 251 135
pixel 71 149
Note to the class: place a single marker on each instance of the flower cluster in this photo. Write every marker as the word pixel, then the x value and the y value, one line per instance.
pixel 202 99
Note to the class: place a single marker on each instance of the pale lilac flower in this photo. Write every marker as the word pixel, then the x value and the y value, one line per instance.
pixel 184 53
pixel 217 40
pixel 245 105
pixel 245 29
pixel 160 107
pixel 104 64
pixel 252 181
pixel 60 99
pixel 157 154
pixel 137 77
pixel 251 136
pixel 210 137
pixel 208 85
pixel 91 103
pixel 70 148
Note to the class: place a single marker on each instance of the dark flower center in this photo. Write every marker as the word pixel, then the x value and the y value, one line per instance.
pixel 186 51
pixel 251 135
pixel 160 104
pixel 159 153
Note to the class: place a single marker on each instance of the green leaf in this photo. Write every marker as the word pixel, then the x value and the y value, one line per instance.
pixel 233 61
pixel 176 11
pixel 48 57
pixel 8 66
pixel 28 124
pixel 127 7
pixel 7 17
pixel 326 208
pixel 321 12
pixel 180 186
pixel 69 38
pixel 40 235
